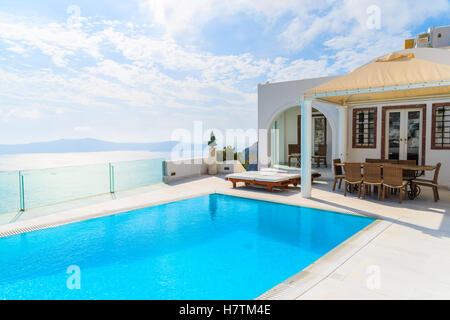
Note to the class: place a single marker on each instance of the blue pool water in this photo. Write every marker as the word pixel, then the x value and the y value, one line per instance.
pixel 210 247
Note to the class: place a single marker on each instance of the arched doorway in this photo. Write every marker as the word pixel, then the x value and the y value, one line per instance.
pixel 285 135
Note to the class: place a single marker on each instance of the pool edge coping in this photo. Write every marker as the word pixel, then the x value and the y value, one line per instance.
pixel 57 219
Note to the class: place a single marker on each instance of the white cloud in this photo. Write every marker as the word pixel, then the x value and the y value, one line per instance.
pixel 357 49
pixel 310 20
pixel 140 82
pixel 176 16
pixel 121 66
pixel 299 69
pixel 53 39
pixel 303 30
pixel 348 19
pixel 33 110
pixel 17 49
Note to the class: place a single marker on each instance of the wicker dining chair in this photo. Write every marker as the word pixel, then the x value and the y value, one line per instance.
pixel 294 153
pixel 429 183
pixel 352 177
pixel 321 155
pixel 393 179
pixel 372 178
pixel 338 173
pixel 391 161
pixel 408 174
pixel 368 160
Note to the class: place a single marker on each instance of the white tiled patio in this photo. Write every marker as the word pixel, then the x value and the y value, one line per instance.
pixel 404 255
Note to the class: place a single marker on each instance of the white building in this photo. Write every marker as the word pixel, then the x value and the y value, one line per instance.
pixel 439 37
pixel 436 37
pixel 398 108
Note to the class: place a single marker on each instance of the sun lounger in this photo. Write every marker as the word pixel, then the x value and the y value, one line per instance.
pixel 270 178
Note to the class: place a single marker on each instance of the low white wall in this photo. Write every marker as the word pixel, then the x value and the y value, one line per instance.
pixel 184 169
pixel 228 167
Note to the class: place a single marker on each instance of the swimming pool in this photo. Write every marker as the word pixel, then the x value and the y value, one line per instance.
pixel 209 247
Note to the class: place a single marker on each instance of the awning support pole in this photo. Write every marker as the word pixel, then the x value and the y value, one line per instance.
pixel 306 111
pixel 342 134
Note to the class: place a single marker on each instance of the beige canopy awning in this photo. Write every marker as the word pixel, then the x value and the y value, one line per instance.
pixel 413 73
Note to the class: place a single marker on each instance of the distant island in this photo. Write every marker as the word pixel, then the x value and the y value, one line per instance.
pixel 86 145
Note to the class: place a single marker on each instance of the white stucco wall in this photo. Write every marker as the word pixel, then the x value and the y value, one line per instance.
pixel 283 128
pixel 274 98
pixel 178 170
pixel 431 156
pixel 444 40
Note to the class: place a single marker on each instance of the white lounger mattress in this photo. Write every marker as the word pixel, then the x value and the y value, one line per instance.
pixel 264 176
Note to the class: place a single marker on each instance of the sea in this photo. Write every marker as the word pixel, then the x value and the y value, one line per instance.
pixel 15 162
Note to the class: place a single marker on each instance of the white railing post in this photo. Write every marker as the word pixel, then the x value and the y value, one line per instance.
pixel 21 192
pixel 111 178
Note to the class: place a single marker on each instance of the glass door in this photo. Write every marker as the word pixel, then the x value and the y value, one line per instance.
pixel 413 136
pixel 404 135
pixel 319 132
pixel 394 135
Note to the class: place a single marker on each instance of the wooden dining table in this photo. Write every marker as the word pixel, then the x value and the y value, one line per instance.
pixel 418 169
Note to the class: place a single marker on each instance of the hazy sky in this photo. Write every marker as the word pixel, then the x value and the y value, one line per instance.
pixel 136 70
